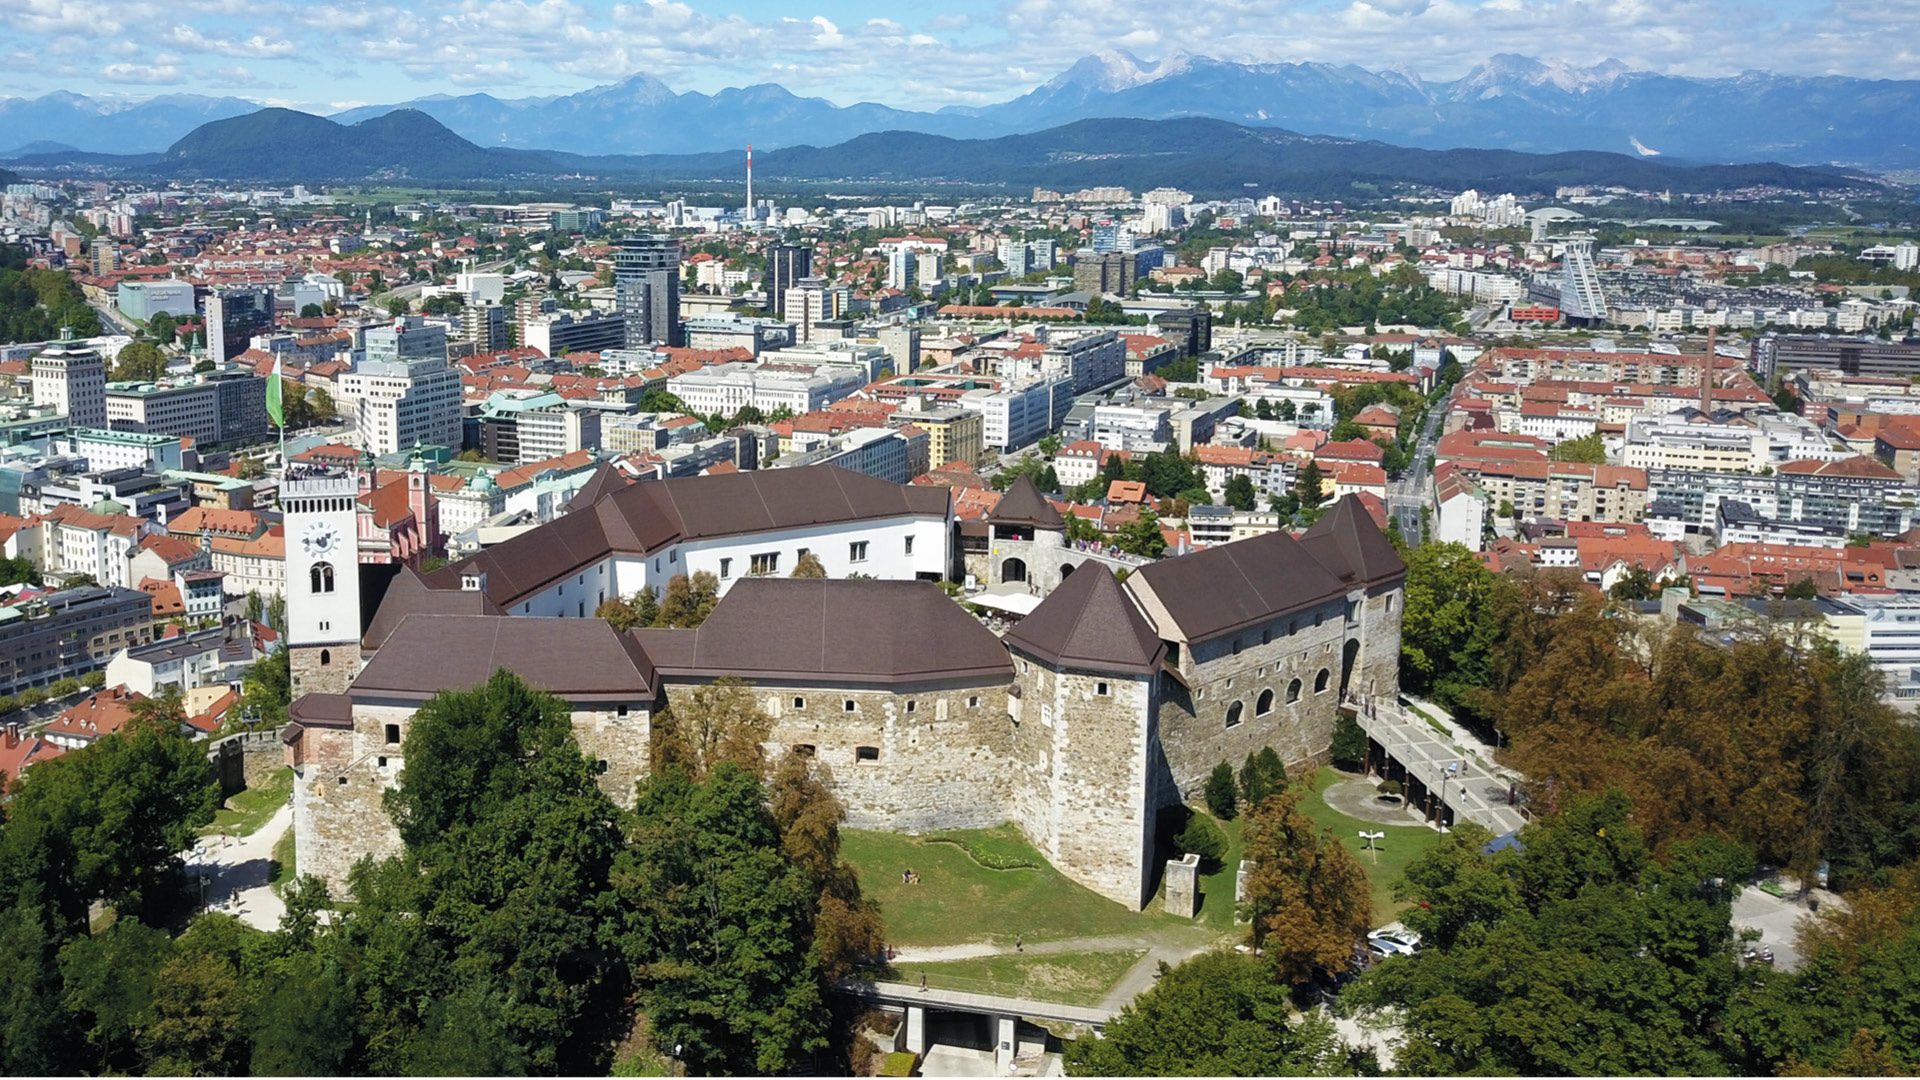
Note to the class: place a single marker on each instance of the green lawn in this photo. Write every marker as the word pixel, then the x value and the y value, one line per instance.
pixel 284 861
pixel 958 901
pixel 1403 844
pixel 248 810
pixel 1077 978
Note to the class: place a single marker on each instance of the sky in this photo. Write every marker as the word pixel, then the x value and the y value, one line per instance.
pixel 326 55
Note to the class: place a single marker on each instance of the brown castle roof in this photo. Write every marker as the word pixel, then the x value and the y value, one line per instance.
pixel 1090 624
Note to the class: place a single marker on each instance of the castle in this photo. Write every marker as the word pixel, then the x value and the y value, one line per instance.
pixel 1110 701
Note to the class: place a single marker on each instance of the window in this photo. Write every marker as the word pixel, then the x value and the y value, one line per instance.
pixel 1320 681
pixel 767 562
pixel 1317 616
pixel 849 705
pixel 673 556
pixel 320 577
pixel 866 753
pixel 620 712
pixel 973 702
pixel 726 569
pixel 1293 691
pixel 1266 636
pixel 393 734
pixel 383 761
pixel 805 749
pixel 799 702
pixel 1233 714
pixel 601 766
pixel 909 545
pixel 1264 703
pixel 910 704
pixel 857 551
pixel 326 657
pixel 1102 689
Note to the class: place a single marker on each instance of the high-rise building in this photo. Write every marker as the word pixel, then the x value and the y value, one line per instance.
pixel 1103 273
pixel 484 326
pixel 786 264
pixel 903 268
pixel 1580 294
pixel 406 394
pixel 812 301
pixel 646 285
pixel 103 255
pixel 73 379
pixel 234 316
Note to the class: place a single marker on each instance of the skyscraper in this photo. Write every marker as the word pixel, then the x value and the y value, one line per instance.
pixel 786 264
pixel 646 285
pixel 233 317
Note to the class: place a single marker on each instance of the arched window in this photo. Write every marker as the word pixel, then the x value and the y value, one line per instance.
pixel 1320 681
pixel 1233 714
pixel 1264 704
pixel 326 657
pixel 1293 691
pixel 321 577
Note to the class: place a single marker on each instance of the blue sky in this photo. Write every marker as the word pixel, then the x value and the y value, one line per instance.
pixel 329 54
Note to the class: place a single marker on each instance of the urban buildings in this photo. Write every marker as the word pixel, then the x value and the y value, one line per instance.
pixel 72 379
pixel 560 333
pixel 646 284
pixel 234 316
pixel 68 633
pixel 786 265
pixel 404 392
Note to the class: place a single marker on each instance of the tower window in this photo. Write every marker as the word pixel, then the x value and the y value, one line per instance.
pixel 1233 714
pixel 393 734
pixel 1320 681
pixel 1263 704
pixel 320 577
pixel 799 703
pixel 866 753
pixel 326 657
pixel 1102 689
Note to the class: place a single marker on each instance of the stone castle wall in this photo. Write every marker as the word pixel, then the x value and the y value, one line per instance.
pixel 939 753
pixel 1240 668
pixel 311 676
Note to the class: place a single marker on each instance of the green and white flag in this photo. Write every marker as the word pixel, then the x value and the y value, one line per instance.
pixel 274 408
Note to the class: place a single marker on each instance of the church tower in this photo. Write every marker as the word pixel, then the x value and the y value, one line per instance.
pixel 323 578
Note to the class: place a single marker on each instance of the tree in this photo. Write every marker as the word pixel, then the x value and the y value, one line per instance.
pixel 199 1002
pixel 719 930
pixel 1222 800
pixel 706 726
pixel 140 361
pixel 162 328
pixel 1240 493
pixel 1447 625
pixel 847 928
pixel 1309 486
pixel 808 566
pixel 689 600
pixel 1588 449
pixel 1142 535
pixel 1218 1014
pixel 267 688
pixel 1200 836
pixel 1803 589
pixel 1307 898
pixel 640 609
pixel 312 311
pixel 1263 774
pixel 396 306
pixel 1349 750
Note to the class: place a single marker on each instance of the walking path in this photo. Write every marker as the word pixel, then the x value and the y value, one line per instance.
pixel 239 872
pixel 1173 946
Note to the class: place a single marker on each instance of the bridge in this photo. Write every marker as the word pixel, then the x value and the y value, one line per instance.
pixel 1441 780
pixel 1003 1013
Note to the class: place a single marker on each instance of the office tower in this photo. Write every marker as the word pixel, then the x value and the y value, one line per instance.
pixel 786 264
pixel 233 317
pixel 646 285
pixel 812 301
pixel 405 393
pixel 903 268
pixel 1581 296
pixel 73 379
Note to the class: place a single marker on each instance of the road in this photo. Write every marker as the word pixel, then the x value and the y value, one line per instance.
pixel 1407 495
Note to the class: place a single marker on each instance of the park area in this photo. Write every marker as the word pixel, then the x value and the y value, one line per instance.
pixel 985 912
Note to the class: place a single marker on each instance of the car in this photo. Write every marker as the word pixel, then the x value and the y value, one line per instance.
pixel 1390 941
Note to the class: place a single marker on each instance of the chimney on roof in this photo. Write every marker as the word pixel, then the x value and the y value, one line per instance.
pixel 13 734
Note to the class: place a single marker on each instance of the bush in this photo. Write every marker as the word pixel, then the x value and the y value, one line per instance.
pixel 1222 799
pixel 1203 838
pixel 988 850
pixel 63 687
pixel 1391 788
pixel 1262 775
pixel 1349 742
pixel 30 697
pixel 94 680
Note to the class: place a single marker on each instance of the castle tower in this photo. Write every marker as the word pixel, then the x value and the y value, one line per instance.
pixel 323 578
pixel 421 500
pixel 1028 537
pixel 1089 773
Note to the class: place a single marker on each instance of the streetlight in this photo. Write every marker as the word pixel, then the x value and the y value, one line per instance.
pixel 1372 846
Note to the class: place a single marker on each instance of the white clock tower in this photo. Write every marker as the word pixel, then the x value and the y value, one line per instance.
pixel 323 578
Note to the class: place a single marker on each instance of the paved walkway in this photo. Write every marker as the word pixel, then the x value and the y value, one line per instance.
pixel 1360 798
pixel 1173 946
pixel 239 872
pixel 1469 782
pixel 1778 918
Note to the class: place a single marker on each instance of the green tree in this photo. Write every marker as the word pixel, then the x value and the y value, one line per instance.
pixel 1222 798
pixel 1219 1014
pixel 1200 836
pixel 808 566
pixel 312 311
pixel 1142 535
pixel 1588 449
pixel 689 600
pixel 140 361
pixel 162 328
pixel 1447 625
pixel 719 930
pixel 267 688
pixel 1803 589
pixel 1240 493
pixel 1263 774
pixel 1309 486
pixel 1349 750
pixel 705 726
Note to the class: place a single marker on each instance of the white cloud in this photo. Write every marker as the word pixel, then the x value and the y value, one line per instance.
pixel 142 74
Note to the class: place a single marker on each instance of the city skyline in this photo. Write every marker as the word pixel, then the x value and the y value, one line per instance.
pixel 335 56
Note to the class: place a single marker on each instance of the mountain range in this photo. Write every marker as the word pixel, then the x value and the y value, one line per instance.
pixel 1204 155
pixel 1509 102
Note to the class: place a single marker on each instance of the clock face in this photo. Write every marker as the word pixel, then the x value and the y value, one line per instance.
pixel 319 539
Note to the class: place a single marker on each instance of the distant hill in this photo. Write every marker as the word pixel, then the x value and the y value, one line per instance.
pixel 1205 156
pixel 281 144
pixel 1506 102
pixel 39 146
